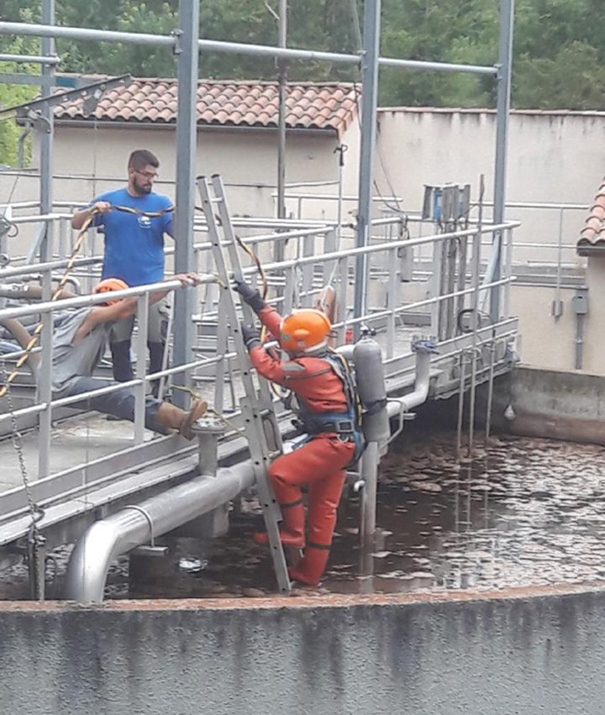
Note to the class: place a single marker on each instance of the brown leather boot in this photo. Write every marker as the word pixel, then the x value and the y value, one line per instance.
pixel 176 420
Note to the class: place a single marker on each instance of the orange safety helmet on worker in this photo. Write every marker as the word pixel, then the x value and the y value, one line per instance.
pixel 329 413
pixel 108 285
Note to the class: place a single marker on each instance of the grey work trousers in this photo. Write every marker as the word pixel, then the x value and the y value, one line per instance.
pixel 119 403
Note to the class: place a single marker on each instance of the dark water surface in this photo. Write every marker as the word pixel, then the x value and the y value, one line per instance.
pixel 523 512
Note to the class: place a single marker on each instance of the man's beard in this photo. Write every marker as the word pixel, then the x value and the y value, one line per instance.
pixel 141 190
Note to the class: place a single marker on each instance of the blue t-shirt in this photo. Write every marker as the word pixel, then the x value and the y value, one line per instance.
pixel 134 245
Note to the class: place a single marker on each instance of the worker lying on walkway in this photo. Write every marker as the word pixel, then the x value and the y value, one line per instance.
pixel 329 414
pixel 79 344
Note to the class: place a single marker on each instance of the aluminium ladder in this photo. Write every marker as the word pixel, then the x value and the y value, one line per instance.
pixel 260 422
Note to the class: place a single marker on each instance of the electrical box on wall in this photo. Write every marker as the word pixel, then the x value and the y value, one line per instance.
pixel 580 301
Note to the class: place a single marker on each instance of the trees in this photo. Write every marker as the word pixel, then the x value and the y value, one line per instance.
pixel 10 94
pixel 559 47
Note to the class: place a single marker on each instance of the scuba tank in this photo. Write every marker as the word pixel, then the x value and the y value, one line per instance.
pixel 369 372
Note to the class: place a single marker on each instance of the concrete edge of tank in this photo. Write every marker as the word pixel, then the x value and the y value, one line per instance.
pixel 298 602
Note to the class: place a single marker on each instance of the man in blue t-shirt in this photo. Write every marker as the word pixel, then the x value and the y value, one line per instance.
pixel 134 252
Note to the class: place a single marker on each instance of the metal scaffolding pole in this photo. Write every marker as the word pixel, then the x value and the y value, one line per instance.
pixel 369 76
pixel 77 33
pixel 505 58
pixel 30 59
pixel 282 90
pixel 186 136
pixel 46 205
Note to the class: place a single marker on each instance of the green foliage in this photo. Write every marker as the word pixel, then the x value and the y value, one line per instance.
pixel 13 94
pixel 559 45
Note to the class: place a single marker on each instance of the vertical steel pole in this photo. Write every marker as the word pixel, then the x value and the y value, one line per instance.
pixel 46 201
pixel 505 59
pixel 282 34
pixel 369 78
pixel 186 135
pixel 369 474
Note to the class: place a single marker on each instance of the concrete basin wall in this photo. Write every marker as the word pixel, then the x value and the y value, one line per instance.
pixel 516 653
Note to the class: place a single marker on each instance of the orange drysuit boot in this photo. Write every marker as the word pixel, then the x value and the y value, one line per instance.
pixel 292 527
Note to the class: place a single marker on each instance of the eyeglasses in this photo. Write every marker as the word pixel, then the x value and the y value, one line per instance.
pixel 147 174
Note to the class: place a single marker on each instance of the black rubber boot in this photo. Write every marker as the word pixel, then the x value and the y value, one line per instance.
pixel 122 367
pixel 156 358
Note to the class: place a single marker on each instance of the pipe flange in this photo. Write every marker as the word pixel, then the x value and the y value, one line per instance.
pixel 208 425
pixel 424 345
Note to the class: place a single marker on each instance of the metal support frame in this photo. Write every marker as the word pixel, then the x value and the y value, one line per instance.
pixel 46 199
pixel 186 140
pixel 30 59
pixel 369 73
pixel 28 111
pixel 137 38
pixel 283 93
pixel 505 53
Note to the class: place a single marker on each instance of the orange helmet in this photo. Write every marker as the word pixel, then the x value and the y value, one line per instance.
pixel 305 331
pixel 108 285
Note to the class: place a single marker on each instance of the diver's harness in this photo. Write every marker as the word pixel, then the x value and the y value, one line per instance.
pixel 346 425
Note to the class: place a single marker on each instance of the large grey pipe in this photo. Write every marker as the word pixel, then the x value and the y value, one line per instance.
pixel 105 540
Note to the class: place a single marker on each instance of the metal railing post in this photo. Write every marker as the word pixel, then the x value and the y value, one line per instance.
pixel 505 59
pixel 141 347
pixel 391 301
pixel 369 72
pixel 186 139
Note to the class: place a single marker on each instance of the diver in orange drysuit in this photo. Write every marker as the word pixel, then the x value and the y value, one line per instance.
pixel 328 413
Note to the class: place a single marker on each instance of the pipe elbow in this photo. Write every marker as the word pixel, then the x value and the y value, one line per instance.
pixel 89 562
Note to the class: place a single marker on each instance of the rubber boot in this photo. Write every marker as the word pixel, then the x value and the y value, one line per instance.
pixel 156 358
pixel 122 367
pixel 174 419
pixel 291 529
pixel 311 567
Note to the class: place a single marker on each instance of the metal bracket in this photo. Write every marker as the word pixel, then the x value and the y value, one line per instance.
pixel 147 550
pixel 177 49
pixel 147 516
pixel 30 110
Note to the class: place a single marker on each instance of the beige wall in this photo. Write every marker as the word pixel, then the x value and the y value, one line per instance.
pixel 543 341
pixel 246 159
pixel 551 159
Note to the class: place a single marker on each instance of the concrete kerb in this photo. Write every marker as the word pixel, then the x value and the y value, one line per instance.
pixel 522 651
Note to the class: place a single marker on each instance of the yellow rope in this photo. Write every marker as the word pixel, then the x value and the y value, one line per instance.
pixel 211 410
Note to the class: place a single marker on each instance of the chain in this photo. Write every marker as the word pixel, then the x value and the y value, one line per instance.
pixel 34 537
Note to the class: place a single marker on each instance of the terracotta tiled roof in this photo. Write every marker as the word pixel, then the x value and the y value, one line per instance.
pixel 592 235
pixel 237 104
